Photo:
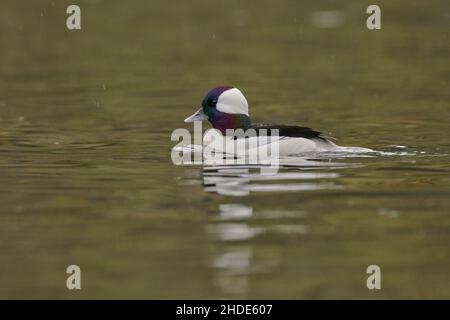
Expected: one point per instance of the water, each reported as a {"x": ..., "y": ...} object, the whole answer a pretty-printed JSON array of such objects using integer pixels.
[{"x": 86, "y": 176}]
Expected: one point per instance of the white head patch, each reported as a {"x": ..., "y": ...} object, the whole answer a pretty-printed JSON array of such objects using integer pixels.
[{"x": 232, "y": 101}]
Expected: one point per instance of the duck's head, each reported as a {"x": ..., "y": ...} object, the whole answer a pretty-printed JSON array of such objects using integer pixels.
[{"x": 225, "y": 108}]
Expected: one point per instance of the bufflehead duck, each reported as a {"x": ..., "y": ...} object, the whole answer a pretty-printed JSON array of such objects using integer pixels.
[{"x": 227, "y": 108}]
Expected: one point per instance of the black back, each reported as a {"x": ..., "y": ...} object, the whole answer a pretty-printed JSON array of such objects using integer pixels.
[{"x": 290, "y": 131}]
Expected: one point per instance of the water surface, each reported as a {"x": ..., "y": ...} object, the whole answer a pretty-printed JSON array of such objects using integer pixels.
[{"x": 86, "y": 176}]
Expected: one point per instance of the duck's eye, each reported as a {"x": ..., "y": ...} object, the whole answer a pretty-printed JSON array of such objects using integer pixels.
[{"x": 211, "y": 102}]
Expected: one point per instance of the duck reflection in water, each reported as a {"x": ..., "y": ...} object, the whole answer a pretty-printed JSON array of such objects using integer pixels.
[{"x": 243, "y": 180}]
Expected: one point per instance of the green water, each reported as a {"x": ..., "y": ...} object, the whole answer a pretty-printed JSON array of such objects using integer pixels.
[{"x": 85, "y": 170}]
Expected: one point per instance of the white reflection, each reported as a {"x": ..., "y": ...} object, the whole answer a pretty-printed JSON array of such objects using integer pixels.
[
  {"x": 234, "y": 212},
  {"x": 232, "y": 231},
  {"x": 233, "y": 267},
  {"x": 235, "y": 261},
  {"x": 241, "y": 181}
]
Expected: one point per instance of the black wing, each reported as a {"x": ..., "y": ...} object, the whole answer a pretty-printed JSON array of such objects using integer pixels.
[{"x": 291, "y": 131}]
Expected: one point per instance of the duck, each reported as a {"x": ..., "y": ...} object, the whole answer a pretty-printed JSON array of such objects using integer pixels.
[{"x": 227, "y": 110}]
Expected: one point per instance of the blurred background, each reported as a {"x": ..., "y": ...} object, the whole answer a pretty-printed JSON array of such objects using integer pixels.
[{"x": 85, "y": 170}]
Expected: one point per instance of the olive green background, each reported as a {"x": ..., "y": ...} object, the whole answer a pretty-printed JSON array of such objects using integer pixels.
[{"x": 85, "y": 170}]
